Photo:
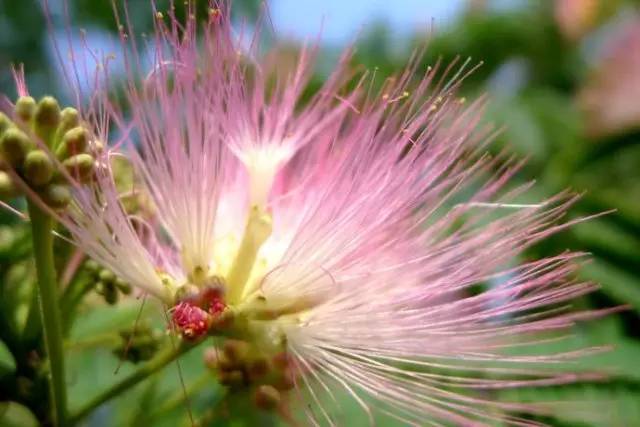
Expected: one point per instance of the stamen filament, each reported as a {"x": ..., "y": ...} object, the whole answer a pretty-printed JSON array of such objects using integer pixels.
[{"x": 257, "y": 231}]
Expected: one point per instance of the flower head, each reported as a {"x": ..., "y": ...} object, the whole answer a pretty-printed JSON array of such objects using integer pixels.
[{"x": 358, "y": 243}]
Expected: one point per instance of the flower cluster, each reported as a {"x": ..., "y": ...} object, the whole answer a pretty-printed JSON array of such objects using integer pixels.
[{"x": 358, "y": 241}]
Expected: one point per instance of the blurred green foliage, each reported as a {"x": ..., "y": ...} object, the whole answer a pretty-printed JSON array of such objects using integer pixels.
[{"x": 533, "y": 74}]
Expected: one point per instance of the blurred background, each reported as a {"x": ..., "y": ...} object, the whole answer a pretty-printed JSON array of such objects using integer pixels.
[{"x": 562, "y": 78}]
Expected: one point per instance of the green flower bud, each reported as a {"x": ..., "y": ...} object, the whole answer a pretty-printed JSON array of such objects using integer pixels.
[
  {"x": 267, "y": 398},
  {"x": 57, "y": 196},
  {"x": 231, "y": 378},
  {"x": 123, "y": 286},
  {"x": 69, "y": 118},
  {"x": 106, "y": 276},
  {"x": 110, "y": 293},
  {"x": 80, "y": 166},
  {"x": 100, "y": 287},
  {"x": 47, "y": 118},
  {"x": 8, "y": 190},
  {"x": 38, "y": 168},
  {"x": 92, "y": 266},
  {"x": 138, "y": 344},
  {"x": 97, "y": 146},
  {"x": 74, "y": 141},
  {"x": 14, "y": 146},
  {"x": 224, "y": 364},
  {"x": 8, "y": 238},
  {"x": 235, "y": 350},
  {"x": 5, "y": 123},
  {"x": 25, "y": 108}
]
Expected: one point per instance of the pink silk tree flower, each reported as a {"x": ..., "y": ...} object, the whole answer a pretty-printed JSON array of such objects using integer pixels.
[{"x": 360, "y": 242}]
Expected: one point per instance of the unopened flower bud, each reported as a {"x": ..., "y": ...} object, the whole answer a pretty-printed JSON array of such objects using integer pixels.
[
  {"x": 74, "y": 141},
  {"x": 267, "y": 398},
  {"x": 57, "y": 196},
  {"x": 47, "y": 118},
  {"x": 14, "y": 146},
  {"x": 99, "y": 287},
  {"x": 226, "y": 364},
  {"x": 92, "y": 266},
  {"x": 8, "y": 189},
  {"x": 231, "y": 378},
  {"x": 25, "y": 108},
  {"x": 138, "y": 344},
  {"x": 5, "y": 123},
  {"x": 211, "y": 358},
  {"x": 80, "y": 166},
  {"x": 106, "y": 276},
  {"x": 123, "y": 286},
  {"x": 258, "y": 368},
  {"x": 69, "y": 119},
  {"x": 285, "y": 382},
  {"x": 281, "y": 361},
  {"x": 110, "y": 293},
  {"x": 235, "y": 350},
  {"x": 222, "y": 321},
  {"x": 38, "y": 168}
]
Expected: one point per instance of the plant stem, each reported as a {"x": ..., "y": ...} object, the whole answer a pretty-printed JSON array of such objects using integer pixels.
[
  {"x": 181, "y": 396},
  {"x": 42, "y": 235},
  {"x": 161, "y": 360}
]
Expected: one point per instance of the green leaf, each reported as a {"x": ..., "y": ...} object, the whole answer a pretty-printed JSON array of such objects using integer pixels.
[
  {"x": 103, "y": 319},
  {"x": 616, "y": 283},
  {"x": 13, "y": 414},
  {"x": 7, "y": 362},
  {"x": 618, "y": 358},
  {"x": 593, "y": 405}
]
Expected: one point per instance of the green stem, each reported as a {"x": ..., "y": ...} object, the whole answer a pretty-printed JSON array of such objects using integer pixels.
[
  {"x": 42, "y": 235},
  {"x": 161, "y": 360},
  {"x": 33, "y": 324},
  {"x": 181, "y": 396}
]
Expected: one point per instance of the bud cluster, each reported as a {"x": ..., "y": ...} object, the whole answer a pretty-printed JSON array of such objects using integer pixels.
[
  {"x": 241, "y": 366},
  {"x": 38, "y": 143},
  {"x": 139, "y": 343},
  {"x": 106, "y": 282}
]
